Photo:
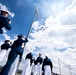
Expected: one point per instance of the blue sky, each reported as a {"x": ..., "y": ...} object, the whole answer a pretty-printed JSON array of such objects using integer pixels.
[{"x": 53, "y": 32}]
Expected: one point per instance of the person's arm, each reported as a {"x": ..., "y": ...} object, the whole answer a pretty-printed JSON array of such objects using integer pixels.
[
  {"x": 20, "y": 56},
  {"x": 31, "y": 58},
  {"x": 41, "y": 60},
  {"x": 5, "y": 46},
  {"x": 9, "y": 46},
  {"x": 43, "y": 65},
  {"x": 1, "y": 31},
  {"x": 1, "y": 24},
  {"x": 51, "y": 65},
  {"x": 6, "y": 23},
  {"x": 24, "y": 41}
]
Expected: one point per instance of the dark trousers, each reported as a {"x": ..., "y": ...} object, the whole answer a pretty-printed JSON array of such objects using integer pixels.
[{"x": 11, "y": 58}]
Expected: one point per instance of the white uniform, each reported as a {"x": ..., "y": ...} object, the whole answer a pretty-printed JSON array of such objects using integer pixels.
[
  {"x": 38, "y": 69},
  {"x": 35, "y": 70},
  {"x": 27, "y": 68},
  {"x": 47, "y": 70},
  {"x": 2, "y": 54},
  {"x": 14, "y": 66}
]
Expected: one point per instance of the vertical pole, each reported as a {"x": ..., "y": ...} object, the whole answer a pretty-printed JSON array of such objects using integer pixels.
[
  {"x": 70, "y": 70},
  {"x": 36, "y": 11},
  {"x": 59, "y": 66}
]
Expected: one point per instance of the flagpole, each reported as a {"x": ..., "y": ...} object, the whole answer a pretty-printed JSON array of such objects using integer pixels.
[
  {"x": 70, "y": 70},
  {"x": 59, "y": 66},
  {"x": 36, "y": 12},
  {"x": 32, "y": 21}
]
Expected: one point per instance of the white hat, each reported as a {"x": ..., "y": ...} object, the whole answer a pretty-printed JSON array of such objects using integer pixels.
[
  {"x": 47, "y": 55},
  {"x": 31, "y": 51},
  {"x": 5, "y": 10}
]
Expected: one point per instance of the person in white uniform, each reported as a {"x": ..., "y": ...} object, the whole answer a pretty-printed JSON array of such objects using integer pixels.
[
  {"x": 17, "y": 62},
  {"x": 4, "y": 47},
  {"x": 47, "y": 66},
  {"x": 27, "y": 64},
  {"x": 38, "y": 65}
]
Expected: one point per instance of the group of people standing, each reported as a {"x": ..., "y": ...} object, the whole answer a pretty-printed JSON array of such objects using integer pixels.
[
  {"x": 38, "y": 66},
  {"x": 41, "y": 66}
]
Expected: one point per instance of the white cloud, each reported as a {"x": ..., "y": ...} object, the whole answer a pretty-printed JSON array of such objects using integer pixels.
[
  {"x": 58, "y": 35},
  {"x": 70, "y": 6},
  {"x": 6, "y": 36}
]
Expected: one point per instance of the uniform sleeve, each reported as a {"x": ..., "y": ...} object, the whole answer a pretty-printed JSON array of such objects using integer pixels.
[
  {"x": 1, "y": 31},
  {"x": 51, "y": 65},
  {"x": 41, "y": 60},
  {"x": 9, "y": 46},
  {"x": 21, "y": 56},
  {"x": 43, "y": 65},
  {"x": 6, "y": 24},
  {"x": 31, "y": 58},
  {"x": 24, "y": 41},
  {"x": 5, "y": 46}
]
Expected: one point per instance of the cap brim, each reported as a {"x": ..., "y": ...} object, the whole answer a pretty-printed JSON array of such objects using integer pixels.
[{"x": 6, "y": 11}]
